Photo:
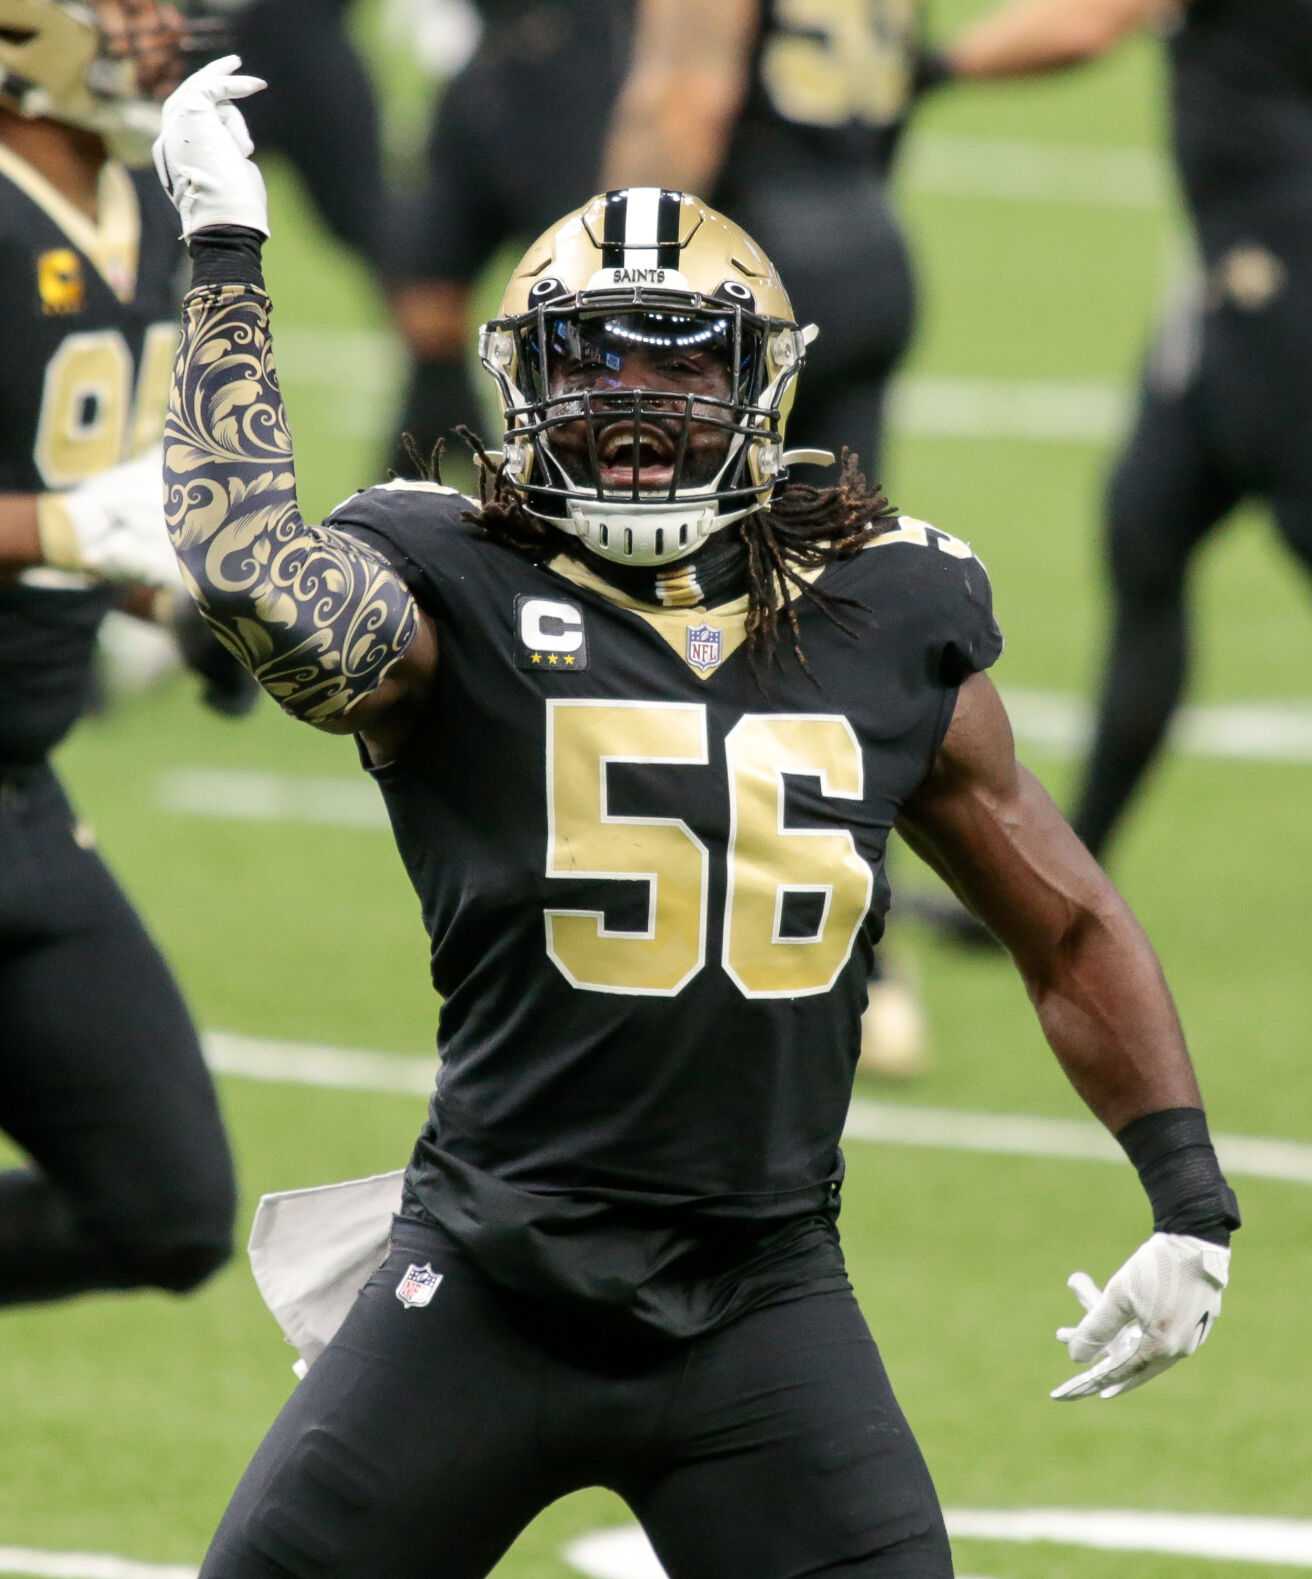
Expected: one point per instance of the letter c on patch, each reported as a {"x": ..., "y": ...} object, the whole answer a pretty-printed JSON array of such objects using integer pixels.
[{"x": 550, "y": 627}]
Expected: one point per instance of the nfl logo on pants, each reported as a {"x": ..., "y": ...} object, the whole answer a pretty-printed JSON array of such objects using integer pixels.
[
  {"x": 703, "y": 646},
  {"x": 418, "y": 1286}
]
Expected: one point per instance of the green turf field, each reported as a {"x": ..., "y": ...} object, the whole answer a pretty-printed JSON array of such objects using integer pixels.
[{"x": 124, "y": 1422}]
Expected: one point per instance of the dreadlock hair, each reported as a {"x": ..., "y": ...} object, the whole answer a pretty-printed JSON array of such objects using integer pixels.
[{"x": 802, "y": 528}]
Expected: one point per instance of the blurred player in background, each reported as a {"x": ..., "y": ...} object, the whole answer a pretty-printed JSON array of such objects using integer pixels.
[
  {"x": 1225, "y": 407},
  {"x": 787, "y": 117},
  {"x": 101, "y": 1077},
  {"x": 320, "y": 111},
  {"x": 514, "y": 144},
  {"x": 649, "y": 844}
]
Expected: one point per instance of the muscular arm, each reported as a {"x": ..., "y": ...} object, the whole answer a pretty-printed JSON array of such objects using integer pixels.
[
  {"x": 990, "y": 830},
  {"x": 1027, "y": 36},
  {"x": 326, "y": 626},
  {"x": 675, "y": 113}
]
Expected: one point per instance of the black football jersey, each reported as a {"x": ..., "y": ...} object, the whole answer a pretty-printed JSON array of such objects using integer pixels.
[
  {"x": 1242, "y": 99},
  {"x": 652, "y": 879},
  {"x": 831, "y": 83},
  {"x": 88, "y": 327}
]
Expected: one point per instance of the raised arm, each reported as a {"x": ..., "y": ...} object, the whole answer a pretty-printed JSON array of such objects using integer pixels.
[
  {"x": 1028, "y": 36},
  {"x": 675, "y": 113},
  {"x": 991, "y": 831},
  {"x": 325, "y": 625}
]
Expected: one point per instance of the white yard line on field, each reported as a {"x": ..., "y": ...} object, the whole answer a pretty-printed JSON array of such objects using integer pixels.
[
  {"x": 307, "y": 1064},
  {"x": 1238, "y": 731},
  {"x": 1088, "y": 175},
  {"x": 251, "y": 795},
  {"x": 1047, "y": 410},
  {"x": 998, "y": 1134},
  {"x": 626, "y": 1554},
  {"x": 619, "y": 1554},
  {"x": 83, "y": 1565}
]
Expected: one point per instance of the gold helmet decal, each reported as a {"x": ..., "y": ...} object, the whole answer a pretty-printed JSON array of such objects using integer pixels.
[{"x": 645, "y": 358}]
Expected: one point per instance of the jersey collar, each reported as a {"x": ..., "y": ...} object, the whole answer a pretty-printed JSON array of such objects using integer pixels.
[
  {"x": 112, "y": 243},
  {"x": 715, "y": 574}
]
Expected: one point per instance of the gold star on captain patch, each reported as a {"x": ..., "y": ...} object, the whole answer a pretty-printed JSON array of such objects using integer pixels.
[
  {"x": 537, "y": 657},
  {"x": 552, "y": 658},
  {"x": 569, "y": 657}
]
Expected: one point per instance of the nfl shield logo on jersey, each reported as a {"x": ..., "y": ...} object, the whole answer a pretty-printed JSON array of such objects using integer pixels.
[
  {"x": 418, "y": 1286},
  {"x": 703, "y": 646}
]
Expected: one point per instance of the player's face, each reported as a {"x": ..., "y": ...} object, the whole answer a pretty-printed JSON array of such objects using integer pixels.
[
  {"x": 642, "y": 372},
  {"x": 149, "y": 34}
]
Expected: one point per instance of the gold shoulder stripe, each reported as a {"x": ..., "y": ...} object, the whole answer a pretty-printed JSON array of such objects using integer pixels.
[{"x": 909, "y": 530}]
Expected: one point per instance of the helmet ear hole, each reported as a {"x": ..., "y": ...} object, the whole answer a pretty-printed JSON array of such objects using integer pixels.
[
  {"x": 737, "y": 293},
  {"x": 546, "y": 290}
]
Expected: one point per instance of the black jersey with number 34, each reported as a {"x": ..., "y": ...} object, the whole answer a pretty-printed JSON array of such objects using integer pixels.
[
  {"x": 652, "y": 881},
  {"x": 88, "y": 329}
]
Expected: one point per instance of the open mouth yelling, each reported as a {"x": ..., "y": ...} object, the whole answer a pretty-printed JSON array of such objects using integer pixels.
[{"x": 651, "y": 458}]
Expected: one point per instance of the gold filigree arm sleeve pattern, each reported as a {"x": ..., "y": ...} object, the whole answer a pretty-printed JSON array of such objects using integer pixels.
[{"x": 317, "y": 618}]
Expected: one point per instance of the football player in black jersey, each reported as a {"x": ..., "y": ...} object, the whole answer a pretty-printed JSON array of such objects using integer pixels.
[
  {"x": 787, "y": 114},
  {"x": 1225, "y": 406},
  {"x": 648, "y": 839},
  {"x": 101, "y": 1078},
  {"x": 514, "y": 144}
]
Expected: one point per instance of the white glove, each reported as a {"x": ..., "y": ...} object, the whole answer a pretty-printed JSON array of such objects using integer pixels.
[
  {"x": 203, "y": 151},
  {"x": 112, "y": 524},
  {"x": 1158, "y": 1308}
]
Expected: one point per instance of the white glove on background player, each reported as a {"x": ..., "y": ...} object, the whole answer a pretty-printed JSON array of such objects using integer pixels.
[
  {"x": 203, "y": 151},
  {"x": 1157, "y": 1309},
  {"x": 112, "y": 525}
]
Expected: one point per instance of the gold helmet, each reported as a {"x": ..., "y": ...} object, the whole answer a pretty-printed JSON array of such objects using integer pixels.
[
  {"x": 644, "y": 356},
  {"x": 104, "y": 65}
]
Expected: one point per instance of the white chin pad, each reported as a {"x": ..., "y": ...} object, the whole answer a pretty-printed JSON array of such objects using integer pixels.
[{"x": 641, "y": 534}]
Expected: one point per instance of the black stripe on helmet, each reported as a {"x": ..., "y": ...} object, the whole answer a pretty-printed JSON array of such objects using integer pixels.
[
  {"x": 612, "y": 236},
  {"x": 667, "y": 231}
]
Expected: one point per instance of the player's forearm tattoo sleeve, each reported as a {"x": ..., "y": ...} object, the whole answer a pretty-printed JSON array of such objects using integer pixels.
[{"x": 317, "y": 618}]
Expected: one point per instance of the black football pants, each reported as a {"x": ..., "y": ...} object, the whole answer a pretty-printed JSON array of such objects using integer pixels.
[
  {"x": 319, "y": 110},
  {"x": 424, "y": 1440},
  {"x": 101, "y": 1078},
  {"x": 844, "y": 261},
  {"x": 1236, "y": 425}
]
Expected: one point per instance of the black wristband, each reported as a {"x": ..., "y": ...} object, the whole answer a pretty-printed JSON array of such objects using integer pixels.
[
  {"x": 226, "y": 255},
  {"x": 1173, "y": 1155}
]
